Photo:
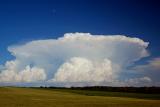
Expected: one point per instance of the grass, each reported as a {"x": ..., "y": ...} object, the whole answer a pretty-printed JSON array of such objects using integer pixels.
[
  {"x": 112, "y": 94},
  {"x": 36, "y": 97}
]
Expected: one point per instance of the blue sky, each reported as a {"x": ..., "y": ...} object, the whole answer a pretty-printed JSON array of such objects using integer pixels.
[
  {"x": 26, "y": 20},
  {"x": 22, "y": 21}
]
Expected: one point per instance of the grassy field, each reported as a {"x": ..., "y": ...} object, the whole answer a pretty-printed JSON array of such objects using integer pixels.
[{"x": 36, "y": 97}]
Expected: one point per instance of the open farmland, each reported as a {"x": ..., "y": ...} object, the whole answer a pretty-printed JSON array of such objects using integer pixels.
[{"x": 36, "y": 97}]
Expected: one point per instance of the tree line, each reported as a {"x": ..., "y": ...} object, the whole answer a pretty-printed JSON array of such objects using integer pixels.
[{"x": 150, "y": 90}]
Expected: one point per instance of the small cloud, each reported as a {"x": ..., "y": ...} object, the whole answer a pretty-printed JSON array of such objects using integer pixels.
[
  {"x": 152, "y": 65},
  {"x": 137, "y": 81},
  {"x": 151, "y": 69},
  {"x": 28, "y": 74}
]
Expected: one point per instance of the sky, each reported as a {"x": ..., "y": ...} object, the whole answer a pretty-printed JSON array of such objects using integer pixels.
[{"x": 28, "y": 26}]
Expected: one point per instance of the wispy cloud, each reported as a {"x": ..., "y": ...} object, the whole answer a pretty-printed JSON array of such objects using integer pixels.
[{"x": 151, "y": 69}]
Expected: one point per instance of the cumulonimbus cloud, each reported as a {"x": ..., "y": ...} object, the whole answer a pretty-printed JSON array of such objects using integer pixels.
[{"x": 76, "y": 57}]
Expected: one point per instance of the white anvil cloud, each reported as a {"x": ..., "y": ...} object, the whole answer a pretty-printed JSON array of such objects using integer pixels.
[{"x": 76, "y": 57}]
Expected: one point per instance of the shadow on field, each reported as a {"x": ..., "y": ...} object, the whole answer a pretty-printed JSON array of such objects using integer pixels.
[{"x": 106, "y": 93}]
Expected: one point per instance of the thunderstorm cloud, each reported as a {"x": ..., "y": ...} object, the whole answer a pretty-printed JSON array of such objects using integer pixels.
[{"x": 76, "y": 58}]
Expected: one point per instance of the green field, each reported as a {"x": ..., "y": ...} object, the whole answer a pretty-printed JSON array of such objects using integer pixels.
[{"x": 36, "y": 97}]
